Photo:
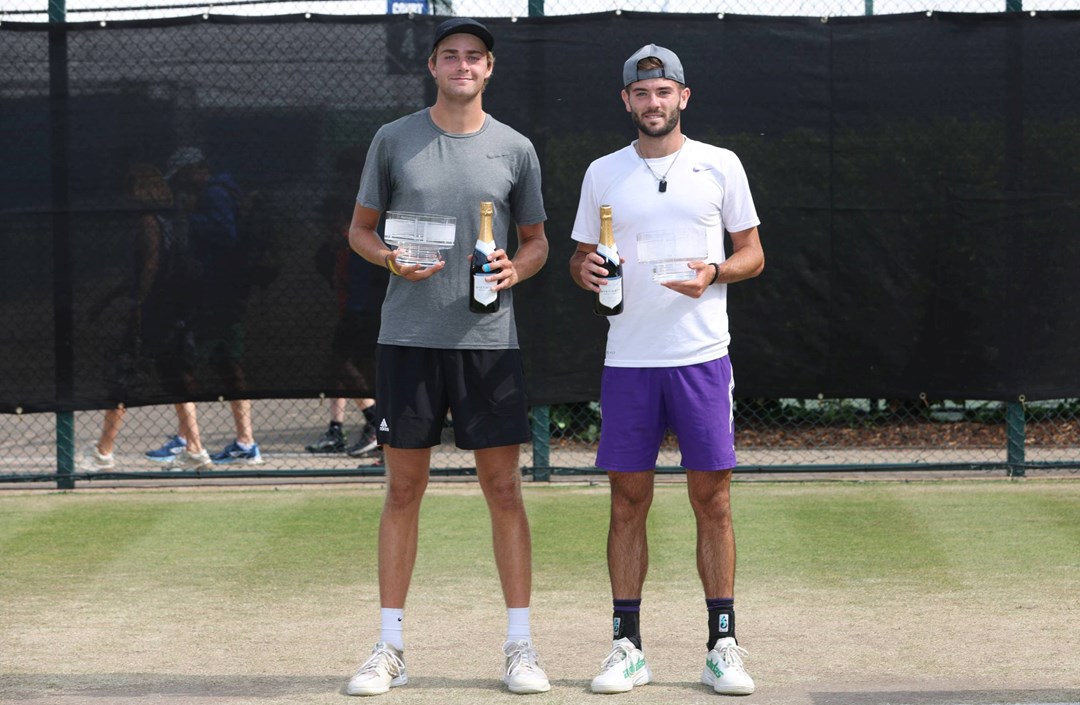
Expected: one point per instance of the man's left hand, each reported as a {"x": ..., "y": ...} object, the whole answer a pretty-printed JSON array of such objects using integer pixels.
[
  {"x": 502, "y": 271},
  {"x": 697, "y": 286}
]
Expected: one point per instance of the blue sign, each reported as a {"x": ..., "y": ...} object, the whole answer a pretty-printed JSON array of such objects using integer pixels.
[{"x": 403, "y": 7}]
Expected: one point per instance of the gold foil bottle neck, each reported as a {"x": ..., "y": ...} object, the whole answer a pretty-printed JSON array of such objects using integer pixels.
[{"x": 487, "y": 212}]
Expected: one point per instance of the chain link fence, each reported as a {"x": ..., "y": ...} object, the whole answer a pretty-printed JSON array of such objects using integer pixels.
[
  {"x": 98, "y": 11},
  {"x": 773, "y": 435}
]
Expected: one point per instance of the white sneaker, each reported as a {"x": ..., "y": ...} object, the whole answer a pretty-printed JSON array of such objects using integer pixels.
[
  {"x": 623, "y": 668},
  {"x": 384, "y": 669},
  {"x": 94, "y": 460},
  {"x": 724, "y": 669},
  {"x": 523, "y": 672},
  {"x": 186, "y": 460}
]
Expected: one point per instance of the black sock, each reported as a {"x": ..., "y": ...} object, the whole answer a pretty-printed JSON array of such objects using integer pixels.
[
  {"x": 369, "y": 415},
  {"x": 625, "y": 621},
  {"x": 335, "y": 427},
  {"x": 721, "y": 619}
]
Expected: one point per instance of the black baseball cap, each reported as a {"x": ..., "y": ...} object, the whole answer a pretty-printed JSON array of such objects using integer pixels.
[{"x": 467, "y": 25}]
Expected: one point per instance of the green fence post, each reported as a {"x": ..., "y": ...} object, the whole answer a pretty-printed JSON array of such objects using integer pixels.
[
  {"x": 63, "y": 303},
  {"x": 541, "y": 428},
  {"x": 541, "y": 415},
  {"x": 1015, "y": 431},
  {"x": 1015, "y": 435},
  {"x": 65, "y": 450},
  {"x": 1014, "y": 411}
]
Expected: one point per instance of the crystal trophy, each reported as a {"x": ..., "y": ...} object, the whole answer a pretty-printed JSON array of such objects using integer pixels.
[
  {"x": 419, "y": 237},
  {"x": 670, "y": 252}
]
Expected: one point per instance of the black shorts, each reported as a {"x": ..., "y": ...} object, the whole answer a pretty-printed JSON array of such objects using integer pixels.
[{"x": 483, "y": 389}]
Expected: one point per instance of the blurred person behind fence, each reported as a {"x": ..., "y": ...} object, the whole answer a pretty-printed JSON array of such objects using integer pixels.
[
  {"x": 157, "y": 324},
  {"x": 209, "y": 209},
  {"x": 358, "y": 286}
]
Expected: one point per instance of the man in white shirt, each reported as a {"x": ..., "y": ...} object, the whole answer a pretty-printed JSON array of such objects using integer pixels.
[{"x": 666, "y": 366}]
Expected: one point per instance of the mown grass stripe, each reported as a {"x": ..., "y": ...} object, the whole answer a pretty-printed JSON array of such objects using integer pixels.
[
  {"x": 844, "y": 536},
  {"x": 927, "y": 538},
  {"x": 72, "y": 543}
]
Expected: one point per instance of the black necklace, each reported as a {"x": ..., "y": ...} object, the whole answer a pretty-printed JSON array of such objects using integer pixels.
[{"x": 662, "y": 180}]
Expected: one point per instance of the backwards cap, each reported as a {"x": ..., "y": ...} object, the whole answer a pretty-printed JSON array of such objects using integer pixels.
[{"x": 672, "y": 67}]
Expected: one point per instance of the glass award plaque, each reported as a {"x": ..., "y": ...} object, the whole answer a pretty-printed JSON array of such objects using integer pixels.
[
  {"x": 419, "y": 237},
  {"x": 670, "y": 252}
]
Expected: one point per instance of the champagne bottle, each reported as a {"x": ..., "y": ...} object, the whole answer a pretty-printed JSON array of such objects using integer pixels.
[
  {"x": 482, "y": 298},
  {"x": 609, "y": 300}
]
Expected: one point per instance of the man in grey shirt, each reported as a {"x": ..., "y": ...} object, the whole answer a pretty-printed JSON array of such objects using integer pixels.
[{"x": 434, "y": 354}]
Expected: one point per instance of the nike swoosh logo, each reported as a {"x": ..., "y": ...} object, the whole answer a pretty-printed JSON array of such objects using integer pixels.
[{"x": 702, "y": 167}]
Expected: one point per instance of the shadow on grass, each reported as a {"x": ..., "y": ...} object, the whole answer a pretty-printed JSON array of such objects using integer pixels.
[
  {"x": 950, "y": 697},
  {"x": 181, "y": 688},
  {"x": 112, "y": 687},
  {"x": 144, "y": 685}
]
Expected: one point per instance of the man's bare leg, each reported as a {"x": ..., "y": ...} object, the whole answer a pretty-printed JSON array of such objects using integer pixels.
[
  {"x": 628, "y": 544},
  {"x": 110, "y": 428},
  {"x": 187, "y": 426},
  {"x": 407, "y": 473},
  {"x": 710, "y": 498},
  {"x": 499, "y": 472},
  {"x": 241, "y": 411}
]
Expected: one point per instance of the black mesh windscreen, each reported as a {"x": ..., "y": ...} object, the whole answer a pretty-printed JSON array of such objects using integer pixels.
[{"x": 917, "y": 178}]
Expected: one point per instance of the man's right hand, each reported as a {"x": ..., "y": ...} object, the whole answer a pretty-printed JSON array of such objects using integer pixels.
[{"x": 412, "y": 272}]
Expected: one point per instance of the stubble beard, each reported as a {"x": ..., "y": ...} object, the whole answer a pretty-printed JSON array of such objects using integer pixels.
[{"x": 664, "y": 129}]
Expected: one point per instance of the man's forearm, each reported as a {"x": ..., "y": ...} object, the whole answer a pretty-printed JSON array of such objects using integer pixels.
[{"x": 530, "y": 257}]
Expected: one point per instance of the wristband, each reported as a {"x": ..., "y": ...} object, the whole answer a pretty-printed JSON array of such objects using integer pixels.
[
  {"x": 390, "y": 265},
  {"x": 716, "y": 269}
]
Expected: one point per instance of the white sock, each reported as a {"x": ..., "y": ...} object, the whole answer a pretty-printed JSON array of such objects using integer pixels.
[
  {"x": 517, "y": 624},
  {"x": 392, "y": 632}
]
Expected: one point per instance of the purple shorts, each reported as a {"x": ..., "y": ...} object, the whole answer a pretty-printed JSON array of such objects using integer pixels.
[{"x": 638, "y": 405}]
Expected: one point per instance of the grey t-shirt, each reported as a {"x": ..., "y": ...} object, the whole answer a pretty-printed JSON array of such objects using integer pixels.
[{"x": 415, "y": 167}]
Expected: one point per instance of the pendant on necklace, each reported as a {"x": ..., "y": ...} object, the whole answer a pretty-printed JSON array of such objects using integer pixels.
[{"x": 663, "y": 185}]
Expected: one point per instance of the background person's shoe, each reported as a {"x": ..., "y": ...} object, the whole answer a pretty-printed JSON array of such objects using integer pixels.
[
  {"x": 384, "y": 669},
  {"x": 523, "y": 672},
  {"x": 234, "y": 454},
  {"x": 95, "y": 461},
  {"x": 332, "y": 441},
  {"x": 167, "y": 452},
  {"x": 724, "y": 669},
  {"x": 623, "y": 668},
  {"x": 367, "y": 443},
  {"x": 186, "y": 460}
]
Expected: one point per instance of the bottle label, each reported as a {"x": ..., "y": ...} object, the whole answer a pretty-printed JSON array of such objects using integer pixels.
[
  {"x": 611, "y": 293},
  {"x": 482, "y": 291}
]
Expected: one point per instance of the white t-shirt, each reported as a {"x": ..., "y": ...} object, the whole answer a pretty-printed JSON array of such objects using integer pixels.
[{"x": 707, "y": 190}]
